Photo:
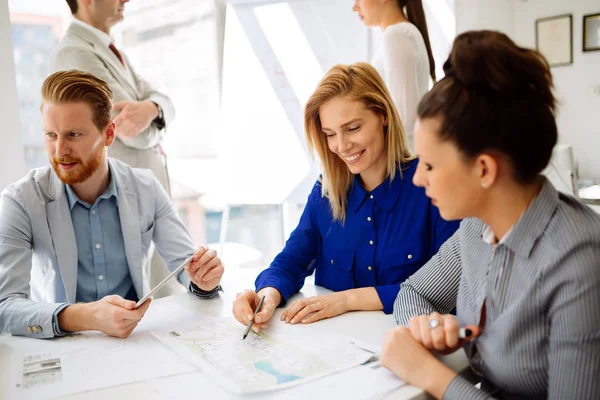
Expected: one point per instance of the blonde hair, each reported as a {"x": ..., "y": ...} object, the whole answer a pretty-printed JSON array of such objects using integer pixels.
[
  {"x": 357, "y": 82},
  {"x": 76, "y": 86}
]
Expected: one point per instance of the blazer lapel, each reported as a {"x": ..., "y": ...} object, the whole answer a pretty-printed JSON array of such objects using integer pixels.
[
  {"x": 63, "y": 236},
  {"x": 130, "y": 227},
  {"x": 115, "y": 66}
]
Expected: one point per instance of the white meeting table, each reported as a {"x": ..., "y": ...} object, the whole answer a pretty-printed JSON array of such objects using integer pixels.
[{"x": 369, "y": 327}]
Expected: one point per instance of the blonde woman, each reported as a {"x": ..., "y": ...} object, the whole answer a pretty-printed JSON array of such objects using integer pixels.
[{"x": 365, "y": 227}]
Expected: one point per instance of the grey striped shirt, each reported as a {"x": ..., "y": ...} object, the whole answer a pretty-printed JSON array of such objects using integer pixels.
[{"x": 541, "y": 289}]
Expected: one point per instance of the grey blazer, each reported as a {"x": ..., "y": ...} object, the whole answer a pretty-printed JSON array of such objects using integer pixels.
[
  {"x": 38, "y": 251},
  {"x": 80, "y": 49}
]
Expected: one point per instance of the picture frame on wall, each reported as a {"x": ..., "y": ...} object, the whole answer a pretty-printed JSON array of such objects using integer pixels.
[
  {"x": 591, "y": 32},
  {"x": 554, "y": 39}
]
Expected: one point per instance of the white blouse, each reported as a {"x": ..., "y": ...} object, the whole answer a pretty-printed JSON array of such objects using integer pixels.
[{"x": 403, "y": 64}]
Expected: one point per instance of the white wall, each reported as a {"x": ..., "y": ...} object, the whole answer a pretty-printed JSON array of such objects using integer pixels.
[
  {"x": 577, "y": 85},
  {"x": 579, "y": 112},
  {"x": 495, "y": 15},
  {"x": 12, "y": 166}
]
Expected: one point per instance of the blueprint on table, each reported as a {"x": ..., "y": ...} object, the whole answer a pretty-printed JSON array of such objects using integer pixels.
[{"x": 262, "y": 362}]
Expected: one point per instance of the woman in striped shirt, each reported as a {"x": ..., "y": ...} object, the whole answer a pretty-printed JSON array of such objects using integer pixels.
[{"x": 523, "y": 270}]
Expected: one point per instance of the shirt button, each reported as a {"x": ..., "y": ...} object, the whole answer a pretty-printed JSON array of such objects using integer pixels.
[
  {"x": 410, "y": 256},
  {"x": 371, "y": 242},
  {"x": 100, "y": 277},
  {"x": 93, "y": 212},
  {"x": 98, "y": 246},
  {"x": 369, "y": 268},
  {"x": 369, "y": 219},
  {"x": 371, "y": 196},
  {"x": 331, "y": 262}
]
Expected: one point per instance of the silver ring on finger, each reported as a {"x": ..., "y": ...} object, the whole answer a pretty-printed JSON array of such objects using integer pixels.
[{"x": 434, "y": 323}]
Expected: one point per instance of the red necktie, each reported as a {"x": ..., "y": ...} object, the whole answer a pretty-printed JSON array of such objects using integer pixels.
[{"x": 114, "y": 50}]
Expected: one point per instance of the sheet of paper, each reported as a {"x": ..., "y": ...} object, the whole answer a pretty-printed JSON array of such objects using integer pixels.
[
  {"x": 91, "y": 360},
  {"x": 262, "y": 362},
  {"x": 45, "y": 375},
  {"x": 357, "y": 383},
  {"x": 159, "y": 316}
]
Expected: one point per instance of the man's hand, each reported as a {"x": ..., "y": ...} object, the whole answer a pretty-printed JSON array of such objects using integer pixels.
[
  {"x": 206, "y": 269},
  {"x": 313, "y": 309},
  {"x": 112, "y": 315},
  {"x": 134, "y": 117}
]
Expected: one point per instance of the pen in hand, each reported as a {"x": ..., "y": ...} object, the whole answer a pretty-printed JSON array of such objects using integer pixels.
[
  {"x": 252, "y": 320},
  {"x": 464, "y": 333}
]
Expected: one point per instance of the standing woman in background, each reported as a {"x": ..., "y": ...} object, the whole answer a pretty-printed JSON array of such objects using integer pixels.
[{"x": 404, "y": 60}]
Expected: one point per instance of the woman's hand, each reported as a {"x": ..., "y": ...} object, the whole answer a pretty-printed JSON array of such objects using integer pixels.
[
  {"x": 413, "y": 363},
  {"x": 441, "y": 336},
  {"x": 315, "y": 308},
  {"x": 246, "y": 302}
]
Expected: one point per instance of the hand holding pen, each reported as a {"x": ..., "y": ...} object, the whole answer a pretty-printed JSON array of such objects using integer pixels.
[
  {"x": 262, "y": 299},
  {"x": 441, "y": 333},
  {"x": 246, "y": 303}
]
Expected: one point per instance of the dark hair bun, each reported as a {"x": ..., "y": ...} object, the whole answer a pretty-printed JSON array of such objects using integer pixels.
[
  {"x": 496, "y": 96},
  {"x": 489, "y": 60}
]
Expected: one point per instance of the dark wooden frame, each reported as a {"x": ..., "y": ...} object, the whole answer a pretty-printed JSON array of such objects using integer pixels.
[
  {"x": 585, "y": 18},
  {"x": 537, "y": 46}
]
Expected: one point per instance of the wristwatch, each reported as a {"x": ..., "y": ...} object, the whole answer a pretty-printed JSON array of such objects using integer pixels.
[
  {"x": 160, "y": 119},
  {"x": 203, "y": 293}
]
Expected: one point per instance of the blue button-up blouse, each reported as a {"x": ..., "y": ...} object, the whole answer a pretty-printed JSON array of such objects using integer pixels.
[{"x": 388, "y": 234}]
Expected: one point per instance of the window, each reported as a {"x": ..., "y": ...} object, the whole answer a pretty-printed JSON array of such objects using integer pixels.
[
  {"x": 36, "y": 28},
  {"x": 239, "y": 76}
]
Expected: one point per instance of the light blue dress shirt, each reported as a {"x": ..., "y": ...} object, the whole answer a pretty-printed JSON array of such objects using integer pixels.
[{"x": 102, "y": 267}]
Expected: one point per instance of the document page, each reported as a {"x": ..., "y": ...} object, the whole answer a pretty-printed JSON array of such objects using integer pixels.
[
  {"x": 262, "y": 362},
  {"x": 91, "y": 360}
]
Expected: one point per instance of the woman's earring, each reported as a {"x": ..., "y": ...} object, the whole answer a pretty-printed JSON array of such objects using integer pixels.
[{"x": 483, "y": 184}]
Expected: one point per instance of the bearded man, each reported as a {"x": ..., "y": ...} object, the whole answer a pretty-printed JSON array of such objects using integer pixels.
[{"x": 75, "y": 235}]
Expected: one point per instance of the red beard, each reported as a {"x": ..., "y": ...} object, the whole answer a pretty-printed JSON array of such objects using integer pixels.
[{"x": 81, "y": 171}]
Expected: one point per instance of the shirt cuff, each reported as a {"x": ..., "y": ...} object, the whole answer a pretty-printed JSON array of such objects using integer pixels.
[
  {"x": 387, "y": 296},
  {"x": 203, "y": 294},
  {"x": 461, "y": 388},
  {"x": 55, "y": 327},
  {"x": 285, "y": 289}
]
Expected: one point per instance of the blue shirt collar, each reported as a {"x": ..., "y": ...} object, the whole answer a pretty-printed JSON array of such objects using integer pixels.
[
  {"x": 111, "y": 191},
  {"x": 386, "y": 195}
]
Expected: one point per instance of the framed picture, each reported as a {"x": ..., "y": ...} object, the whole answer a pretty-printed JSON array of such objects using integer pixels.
[
  {"x": 591, "y": 32},
  {"x": 554, "y": 39}
]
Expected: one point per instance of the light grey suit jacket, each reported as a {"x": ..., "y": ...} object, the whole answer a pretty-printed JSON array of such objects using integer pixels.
[
  {"x": 38, "y": 251},
  {"x": 81, "y": 49}
]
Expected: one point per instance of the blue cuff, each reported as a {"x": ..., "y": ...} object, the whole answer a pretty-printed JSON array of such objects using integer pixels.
[
  {"x": 387, "y": 295},
  {"x": 286, "y": 290},
  {"x": 55, "y": 327}
]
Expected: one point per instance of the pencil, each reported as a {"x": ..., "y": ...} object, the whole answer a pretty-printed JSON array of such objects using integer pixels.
[{"x": 252, "y": 320}]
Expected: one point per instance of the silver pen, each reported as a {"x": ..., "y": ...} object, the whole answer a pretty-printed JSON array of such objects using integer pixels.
[{"x": 252, "y": 320}]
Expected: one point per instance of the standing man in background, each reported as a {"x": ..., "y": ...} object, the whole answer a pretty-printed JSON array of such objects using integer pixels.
[{"x": 142, "y": 113}]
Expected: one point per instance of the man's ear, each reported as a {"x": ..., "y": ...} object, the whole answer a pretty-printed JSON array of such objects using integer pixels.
[{"x": 111, "y": 133}]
